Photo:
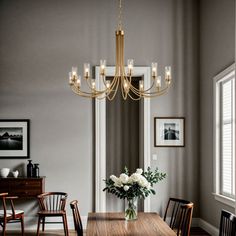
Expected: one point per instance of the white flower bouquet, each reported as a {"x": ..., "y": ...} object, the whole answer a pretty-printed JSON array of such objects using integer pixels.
[{"x": 136, "y": 185}]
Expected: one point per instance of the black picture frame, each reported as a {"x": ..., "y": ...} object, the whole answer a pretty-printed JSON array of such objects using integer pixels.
[
  {"x": 175, "y": 137},
  {"x": 14, "y": 138}
]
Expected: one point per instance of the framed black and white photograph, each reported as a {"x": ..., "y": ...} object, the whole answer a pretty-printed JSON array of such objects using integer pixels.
[
  {"x": 14, "y": 139},
  {"x": 169, "y": 131}
]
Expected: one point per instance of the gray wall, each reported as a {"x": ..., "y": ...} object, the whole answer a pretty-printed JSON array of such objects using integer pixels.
[
  {"x": 217, "y": 48},
  {"x": 180, "y": 164},
  {"x": 41, "y": 40}
]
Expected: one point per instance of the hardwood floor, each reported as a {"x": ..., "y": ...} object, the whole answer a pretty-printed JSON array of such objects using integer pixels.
[
  {"x": 195, "y": 231},
  {"x": 46, "y": 233}
]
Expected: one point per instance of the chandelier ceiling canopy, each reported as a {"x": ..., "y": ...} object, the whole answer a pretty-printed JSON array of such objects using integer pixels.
[{"x": 122, "y": 79}]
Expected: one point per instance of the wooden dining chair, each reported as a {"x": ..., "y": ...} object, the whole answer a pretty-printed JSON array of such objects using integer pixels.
[
  {"x": 12, "y": 215},
  {"x": 52, "y": 204},
  {"x": 77, "y": 219},
  {"x": 227, "y": 224},
  {"x": 178, "y": 215}
]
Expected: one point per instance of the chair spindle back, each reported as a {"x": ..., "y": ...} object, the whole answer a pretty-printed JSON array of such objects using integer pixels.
[
  {"x": 53, "y": 201},
  {"x": 227, "y": 224},
  {"x": 178, "y": 215}
]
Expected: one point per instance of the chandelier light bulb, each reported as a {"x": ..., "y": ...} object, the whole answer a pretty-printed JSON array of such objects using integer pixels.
[
  {"x": 168, "y": 74},
  {"x": 102, "y": 67},
  {"x": 70, "y": 78},
  {"x": 108, "y": 84},
  {"x": 79, "y": 81},
  {"x": 154, "y": 69},
  {"x": 93, "y": 84},
  {"x": 141, "y": 85},
  {"x": 158, "y": 82},
  {"x": 86, "y": 70},
  {"x": 74, "y": 71},
  {"x": 130, "y": 63}
]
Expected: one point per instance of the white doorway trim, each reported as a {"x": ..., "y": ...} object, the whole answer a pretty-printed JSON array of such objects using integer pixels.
[{"x": 100, "y": 139}]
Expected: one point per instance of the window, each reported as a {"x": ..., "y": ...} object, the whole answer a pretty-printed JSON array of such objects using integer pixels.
[{"x": 224, "y": 134}]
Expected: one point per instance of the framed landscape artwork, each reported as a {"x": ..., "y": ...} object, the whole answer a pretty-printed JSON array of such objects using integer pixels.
[
  {"x": 169, "y": 131},
  {"x": 14, "y": 139}
]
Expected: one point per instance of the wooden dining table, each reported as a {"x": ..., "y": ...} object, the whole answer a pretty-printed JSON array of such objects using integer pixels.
[{"x": 114, "y": 224}]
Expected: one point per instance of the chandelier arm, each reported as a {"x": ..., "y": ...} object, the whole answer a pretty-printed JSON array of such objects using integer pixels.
[
  {"x": 95, "y": 90},
  {"x": 146, "y": 90},
  {"x": 106, "y": 95},
  {"x": 83, "y": 94},
  {"x": 112, "y": 82},
  {"x": 124, "y": 93},
  {"x": 155, "y": 94},
  {"x": 116, "y": 89},
  {"x": 161, "y": 91},
  {"x": 92, "y": 94},
  {"x": 135, "y": 99}
]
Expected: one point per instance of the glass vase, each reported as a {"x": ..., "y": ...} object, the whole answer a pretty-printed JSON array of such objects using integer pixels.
[{"x": 131, "y": 209}]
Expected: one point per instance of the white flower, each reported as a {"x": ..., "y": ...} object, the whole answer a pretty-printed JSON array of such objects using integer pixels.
[
  {"x": 139, "y": 171},
  {"x": 126, "y": 187},
  {"x": 135, "y": 177},
  {"x": 143, "y": 182},
  {"x": 113, "y": 178},
  {"x": 117, "y": 182},
  {"x": 124, "y": 178}
]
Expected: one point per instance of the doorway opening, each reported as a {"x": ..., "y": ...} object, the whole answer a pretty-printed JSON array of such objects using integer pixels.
[{"x": 122, "y": 138}]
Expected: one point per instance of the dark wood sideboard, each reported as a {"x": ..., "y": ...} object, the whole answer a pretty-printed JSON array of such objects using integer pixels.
[{"x": 22, "y": 186}]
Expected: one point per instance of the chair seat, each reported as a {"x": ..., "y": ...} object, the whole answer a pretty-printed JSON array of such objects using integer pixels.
[
  {"x": 55, "y": 213},
  {"x": 9, "y": 213}
]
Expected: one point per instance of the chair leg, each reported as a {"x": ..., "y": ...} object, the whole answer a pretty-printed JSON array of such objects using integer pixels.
[
  {"x": 65, "y": 225},
  {"x": 43, "y": 223},
  {"x": 4, "y": 228},
  {"x": 22, "y": 226},
  {"x": 38, "y": 228}
]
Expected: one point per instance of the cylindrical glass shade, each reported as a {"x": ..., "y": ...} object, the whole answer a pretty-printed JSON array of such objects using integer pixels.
[
  {"x": 126, "y": 86},
  {"x": 130, "y": 63},
  {"x": 102, "y": 67},
  {"x": 70, "y": 78},
  {"x": 154, "y": 69},
  {"x": 86, "y": 70},
  {"x": 74, "y": 70},
  {"x": 93, "y": 84},
  {"x": 141, "y": 85},
  {"x": 79, "y": 81},
  {"x": 158, "y": 82},
  {"x": 108, "y": 84},
  {"x": 168, "y": 73}
]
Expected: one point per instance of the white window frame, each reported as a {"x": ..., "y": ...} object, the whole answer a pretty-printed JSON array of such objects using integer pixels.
[{"x": 225, "y": 75}]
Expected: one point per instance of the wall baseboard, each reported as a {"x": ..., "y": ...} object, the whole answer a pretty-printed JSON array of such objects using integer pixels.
[
  {"x": 31, "y": 224},
  {"x": 212, "y": 230}
]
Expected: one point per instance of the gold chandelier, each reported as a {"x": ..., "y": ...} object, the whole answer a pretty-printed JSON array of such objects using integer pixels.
[{"x": 123, "y": 76}]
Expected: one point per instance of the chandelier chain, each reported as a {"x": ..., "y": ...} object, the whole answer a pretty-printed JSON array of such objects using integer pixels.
[{"x": 120, "y": 16}]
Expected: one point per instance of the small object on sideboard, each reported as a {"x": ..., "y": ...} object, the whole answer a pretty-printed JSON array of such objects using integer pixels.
[
  {"x": 30, "y": 169},
  {"x": 4, "y": 172},
  {"x": 36, "y": 170},
  {"x": 15, "y": 173}
]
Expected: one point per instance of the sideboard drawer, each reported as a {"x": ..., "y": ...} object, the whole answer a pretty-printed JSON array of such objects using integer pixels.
[{"x": 23, "y": 187}]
